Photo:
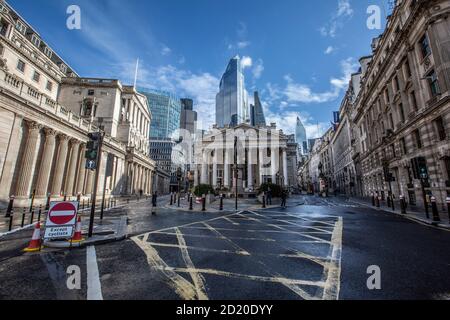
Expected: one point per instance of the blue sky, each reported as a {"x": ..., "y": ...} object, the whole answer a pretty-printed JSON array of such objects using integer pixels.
[{"x": 297, "y": 53}]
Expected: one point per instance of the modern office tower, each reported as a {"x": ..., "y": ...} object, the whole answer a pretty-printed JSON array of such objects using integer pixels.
[
  {"x": 257, "y": 117},
  {"x": 166, "y": 114},
  {"x": 188, "y": 119},
  {"x": 232, "y": 106},
  {"x": 300, "y": 136}
]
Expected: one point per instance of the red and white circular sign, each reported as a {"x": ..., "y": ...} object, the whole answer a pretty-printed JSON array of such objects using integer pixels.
[{"x": 62, "y": 213}]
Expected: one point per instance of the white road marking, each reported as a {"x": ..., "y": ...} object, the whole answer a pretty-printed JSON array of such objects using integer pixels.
[
  {"x": 94, "y": 288},
  {"x": 333, "y": 271}
]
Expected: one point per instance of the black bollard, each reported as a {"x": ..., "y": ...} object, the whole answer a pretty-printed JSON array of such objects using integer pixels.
[
  {"x": 10, "y": 207},
  {"x": 373, "y": 199},
  {"x": 32, "y": 217},
  {"x": 47, "y": 205},
  {"x": 434, "y": 209},
  {"x": 65, "y": 197},
  {"x": 203, "y": 203},
  {"x": 403, "y": 204},
  {"x": 171, "y": 198},
  {"x": 23, "y": 218},
  {"x": 221, "y": 203},
  {"x": 378, "y": 200},
  {"x": 11, "y": 218},
  {"x": 39, "y": 213},
  {"x": 191, "y": 204},
  {"x": 264, "y": 201},
  {"x": 392, "y": 202},
  {"x": 448, "y": 208},
  {"x": 82, "y": 206}
]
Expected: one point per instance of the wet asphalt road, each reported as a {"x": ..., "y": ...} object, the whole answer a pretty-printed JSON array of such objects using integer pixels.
[{"x": 320, "y": 250}]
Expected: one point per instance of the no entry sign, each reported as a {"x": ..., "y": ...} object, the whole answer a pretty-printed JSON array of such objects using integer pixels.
[{"x": 61, "y": 219}]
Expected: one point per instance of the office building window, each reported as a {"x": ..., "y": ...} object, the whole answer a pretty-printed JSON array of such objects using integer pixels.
[
  {"x": 403, "y": 146},
  {"x": 425, "y": 46},
  {"x": 440, "y": 128},
  {"x": 433, "y": 83},
  {"x": 401, "y": 112},
  {"x": 418, "y": 139},
  {"x": 21, "y": 66},
  {"x": 35, "y": 40},
  {"x": 414, "y": 104},
  {"x": 49, "y": 86},
  {"x": 36, "y": 76}
]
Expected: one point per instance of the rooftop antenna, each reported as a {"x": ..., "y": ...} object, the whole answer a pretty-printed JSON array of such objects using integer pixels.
[{"x": 136, "y": 73}]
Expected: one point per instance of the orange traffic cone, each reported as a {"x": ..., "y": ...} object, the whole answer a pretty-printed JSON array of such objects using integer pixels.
[
  {"x": 77, "y": 237},
  {"x": 35, "y": 243}
]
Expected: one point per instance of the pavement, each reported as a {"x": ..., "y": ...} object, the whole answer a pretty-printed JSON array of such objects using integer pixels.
[{"x": 316, "y": 249}]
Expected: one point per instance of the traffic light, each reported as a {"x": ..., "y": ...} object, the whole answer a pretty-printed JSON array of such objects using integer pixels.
[
  {"x": 92, "y": 150},
  {"x": 420, "y": 169}
]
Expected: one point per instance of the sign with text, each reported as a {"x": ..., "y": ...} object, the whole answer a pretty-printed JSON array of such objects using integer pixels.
[{"x": 61, "y": 220}]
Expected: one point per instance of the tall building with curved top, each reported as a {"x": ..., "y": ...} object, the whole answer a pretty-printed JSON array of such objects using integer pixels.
[
  {"x": 232, "y": 106},
  {"x": 300, "y": 136}
]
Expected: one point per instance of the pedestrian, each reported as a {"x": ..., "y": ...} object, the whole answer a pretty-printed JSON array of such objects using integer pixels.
[
  {"x": 154, "y": 202},
  {"x": 141, "y": 192},
  {"x": 269, "y": 196},
  {"x": 283, "y": 199}
]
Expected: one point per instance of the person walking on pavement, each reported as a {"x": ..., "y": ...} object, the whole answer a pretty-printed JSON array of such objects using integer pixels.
[
  {"x": 283, "y": 199},
  {"x": 154, "y": 202}
]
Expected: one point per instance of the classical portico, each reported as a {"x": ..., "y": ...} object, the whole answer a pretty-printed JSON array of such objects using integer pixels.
[{"x": 261, "y": 157}]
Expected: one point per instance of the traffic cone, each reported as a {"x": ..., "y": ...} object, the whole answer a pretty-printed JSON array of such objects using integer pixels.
[
  {"x": 35, "y": 243},
  {"x": 77, "y": 237}
]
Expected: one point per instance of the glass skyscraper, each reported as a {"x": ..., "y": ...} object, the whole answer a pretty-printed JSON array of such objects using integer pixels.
[
  {"x": 257, "y": 117},
  {"x": 300, "y": 136},
  {"x": 232, "y": 100},
  {"x": 166, "y": 112}
]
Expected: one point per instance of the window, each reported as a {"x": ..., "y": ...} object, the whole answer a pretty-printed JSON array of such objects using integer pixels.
[
  {"x": 91, "y": 92},
  {"x": 21, "y": 66},
  {"x": 63, "y": 67},
  {"x": 391, "y": 121},
  {"x": 414, "y": 101},
  {"x": 418, "y": 139},
  {"x": 401, "y": 112},
  {"x": 433, "y": 83},
  {"x": 403, "y": 146},
  {"x": 36, "y": 41},
  {"x": 393, "y": 153},
  {"x": 49, "y": 86},
  {"x": 20, "y": 27},
  {"x": 48, "y": 52},
  {"x": 36, "y": 76},
  {"x": 386, "y": 96},
  {"x": 408, "y": 68},
  {"x": 3, "y": 27},
  {"x": 396, "y": 83},
  {"x": 425, "y": 46},
  {"x": 442, "y": 135}
]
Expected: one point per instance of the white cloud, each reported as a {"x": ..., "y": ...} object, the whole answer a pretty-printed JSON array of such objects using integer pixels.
[
  {"x": 165, "y": 51},
  {"x": 287, "y": 121},
  {"x": 243, "y": 44},
  {"x": 343, "y": 13},
  {"x": 302, "y": 93},
  {"x": 330, "y": 50},
  {"x": 258, "y": 69},
  {"x": 246, "y": 62}
]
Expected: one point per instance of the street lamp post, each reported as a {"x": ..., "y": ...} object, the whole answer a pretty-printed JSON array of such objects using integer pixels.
[{"x": 236, "y": 174}]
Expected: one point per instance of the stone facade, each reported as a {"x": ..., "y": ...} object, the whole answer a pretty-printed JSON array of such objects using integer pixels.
[
  {"x": 403, "y": 109},
  {"x": 44, "y": 130}
]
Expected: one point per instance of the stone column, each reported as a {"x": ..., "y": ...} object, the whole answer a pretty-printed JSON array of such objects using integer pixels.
[
  {"x": 71, "y": 171},
  {"x": 250, "y": 168},
  {"x": 226, "y": 169},
  {"x": 285, "y": 168},
  {"x": 215, "y": 169},
  {"x": 274, "y": 165},
  {"x": 89, "y": 182},
  {"x": 28, "y": 159},
  {"x": 81, "y": 170},
  {"x": 204, "y": 177},
  {"x": 195, "y": 175},
  {"x": 46, "y": 163},
  {"x": 261, "y": 166},
  {"x": 60, "y": 165}
]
